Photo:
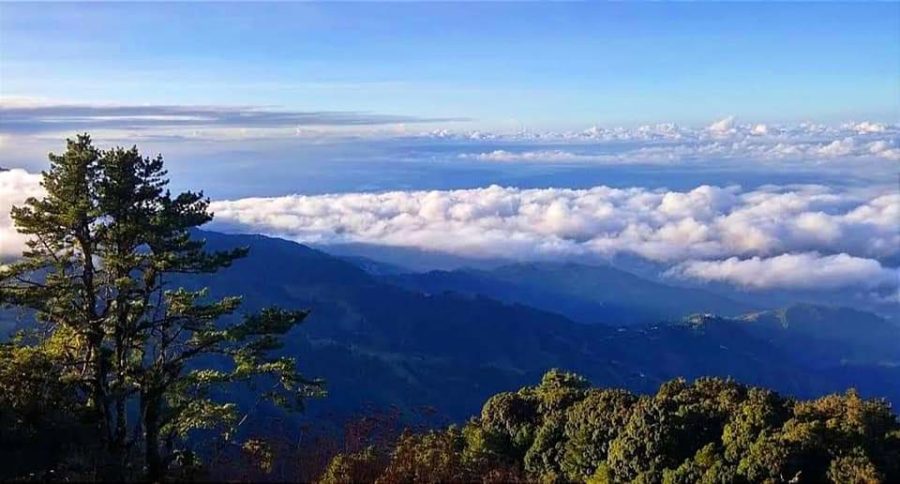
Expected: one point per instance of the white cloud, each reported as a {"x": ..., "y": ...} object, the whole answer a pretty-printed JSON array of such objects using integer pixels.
[
  {"x": 884, "y": 149},
  {"x": 760, "y": 130},
  {"x": 846, "y": 150},
  {"x": 15, "y": 186},
  {"x": 714, "y": 225},
  {"x": 807, "y": 270},
  {"x": 657, "y": 155},
  {"x": 842, "y": 147},
  {"x": 531, "y": 156},
  {"x": 869, "y": 127},
  {"x": 722, "y": 126},
  {"x": 723, "y": 141},
  {"x": 728, "y": 128}
]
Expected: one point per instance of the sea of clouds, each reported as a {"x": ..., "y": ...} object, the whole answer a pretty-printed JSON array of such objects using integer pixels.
[
  {"x": 31, "y": 128},
  {"x": 808, "y": 236},
  {"x": 801, "y": 237},
  {"x": 796, "y": 237}
]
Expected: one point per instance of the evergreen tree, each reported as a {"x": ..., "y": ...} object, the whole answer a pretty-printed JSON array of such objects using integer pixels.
[{"x": 108, "y": 246}]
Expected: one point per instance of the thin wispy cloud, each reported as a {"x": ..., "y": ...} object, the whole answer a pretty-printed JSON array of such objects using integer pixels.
[{"x": 63, "y": 118}]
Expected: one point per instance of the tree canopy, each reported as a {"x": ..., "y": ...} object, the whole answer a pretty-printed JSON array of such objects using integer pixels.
[{"x": 711, "y": 430}]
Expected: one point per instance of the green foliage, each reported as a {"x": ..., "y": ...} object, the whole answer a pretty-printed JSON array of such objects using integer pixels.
[
  {"x": 854, "y": 467},
  {"x": 706, "y": 467},
  {"x": 709, "y": 431},
  {"x": 590, "y": 426},
  {"x": 260, "y": 453},
  {"x": 364, "y": 466},
  {"x": 513, "y": 421},
  {"x": 429, "y": 457},
  {"x": 761, "y": 412},
  {"x": 544, "y": 456},
  {"x": 107, "y": 247},
  {"x": 42, "y": 433},
  {"x": 557, "y": 393},
  {"x": 510, "y": 422}
]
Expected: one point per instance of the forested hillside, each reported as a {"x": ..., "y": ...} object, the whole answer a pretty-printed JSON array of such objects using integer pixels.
[
  {"x": 377, "y": 343},
  {"x": 711, "y": 430}
]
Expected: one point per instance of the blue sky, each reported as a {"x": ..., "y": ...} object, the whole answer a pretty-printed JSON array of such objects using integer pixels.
[
  {"x": 543, "y": 66},
  {"x": 342, "y": 97}
]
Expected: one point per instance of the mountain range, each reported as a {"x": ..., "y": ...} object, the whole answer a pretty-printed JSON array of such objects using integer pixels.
[
  {"x": 583, "y": 293},
  {"x": 447, "y": 340}
]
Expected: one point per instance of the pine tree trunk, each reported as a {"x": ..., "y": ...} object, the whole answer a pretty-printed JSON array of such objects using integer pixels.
[
  {"x": 98, "y": 389},
  {"x": 121, "y": 414},
  {"x": 150, "y": 405},
  {"x": 118, "y": 446}
]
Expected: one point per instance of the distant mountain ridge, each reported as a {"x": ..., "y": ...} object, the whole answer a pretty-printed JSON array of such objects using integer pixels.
[
  {"x": 583, "y": 293},
  {"x": 376, "y": 342},
  {"x": 826, "y": 334}
]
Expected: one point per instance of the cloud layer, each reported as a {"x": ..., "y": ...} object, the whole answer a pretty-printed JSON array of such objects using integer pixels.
[
  {"x": 723, "y": 140},
  {"x": 726, "y": 141},
  {"x": 707, "y": 222},
  {"x": 803, "y": 237},
  {"x": 800, "y": 237}
]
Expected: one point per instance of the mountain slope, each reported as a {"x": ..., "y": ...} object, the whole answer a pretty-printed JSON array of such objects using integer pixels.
[
  {"x": 829, "y": 334},
  {"x": 584, "y": 293},
  {"x": 376, "y": 343},
  {"x": 379, "y": 344}
]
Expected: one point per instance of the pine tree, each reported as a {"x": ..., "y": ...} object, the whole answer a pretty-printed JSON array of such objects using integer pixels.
[{"x": 108, "y": 247}]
